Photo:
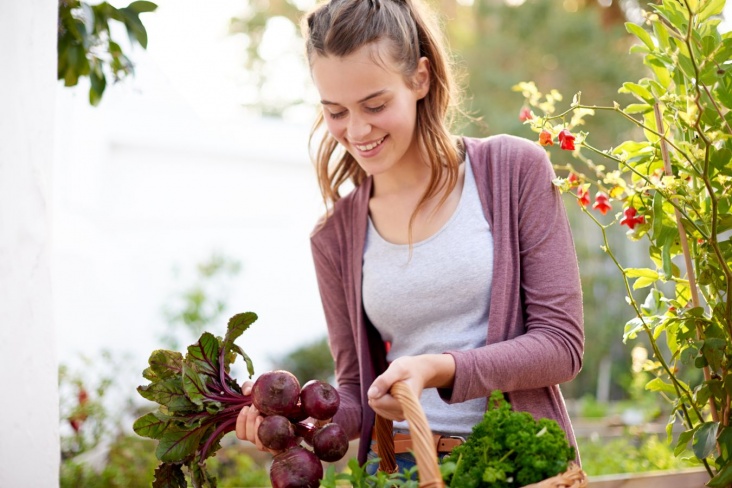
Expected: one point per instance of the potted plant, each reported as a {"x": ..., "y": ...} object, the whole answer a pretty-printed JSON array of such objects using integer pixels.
[{"x": 671, "y": 187}]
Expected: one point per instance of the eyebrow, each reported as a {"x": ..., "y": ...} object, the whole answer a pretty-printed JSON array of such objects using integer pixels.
[{"x": 364, "y": 99}]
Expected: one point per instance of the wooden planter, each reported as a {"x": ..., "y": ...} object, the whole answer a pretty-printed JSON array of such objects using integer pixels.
[{"x": 687, "y": 478}]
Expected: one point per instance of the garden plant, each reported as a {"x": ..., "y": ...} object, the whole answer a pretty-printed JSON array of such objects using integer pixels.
[{"x": 670, "y": 186}]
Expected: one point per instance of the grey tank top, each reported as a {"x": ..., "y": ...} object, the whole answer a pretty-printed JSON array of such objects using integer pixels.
[{"x": 436, "y": 301}]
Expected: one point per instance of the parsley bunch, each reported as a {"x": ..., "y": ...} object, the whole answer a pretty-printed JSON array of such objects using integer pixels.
[{"x": 508, "y": 449}]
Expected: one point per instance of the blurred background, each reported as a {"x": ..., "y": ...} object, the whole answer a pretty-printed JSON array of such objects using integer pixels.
[{"x": 186, "y": 194}]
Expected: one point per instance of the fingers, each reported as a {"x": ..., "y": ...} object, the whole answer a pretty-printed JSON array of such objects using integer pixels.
[
  {"x": 246, "y": 387},
  {"x": 247, "y": 424},
  {"x": 387, "y": 407},
  {"x": 395, "y": 372}
]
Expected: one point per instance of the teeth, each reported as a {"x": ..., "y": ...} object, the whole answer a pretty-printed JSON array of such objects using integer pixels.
[{"x": 369, "y": 147}]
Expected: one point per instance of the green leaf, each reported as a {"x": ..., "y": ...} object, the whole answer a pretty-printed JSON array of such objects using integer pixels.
[
  {"x": 661, "y": 34},
  {"x": 724, "y": 440},
  {"x": 98, "y": 84},
  {"x": 135, "y": 28},
  {"x": 165, "y": 364},
  {"x": 178, "y": 443},
  {"x": 639, "y": 91},
  {"x": 142, "y": 6},
  {"x": 723, "y": 477},
  {"x": 151, "y": 425},
  {"x": 638, "y": 272},
  {"x": 652, "y": 303},
  {"x": 194, "y": 384},
  {"x": 637, "y": 108},
  {"x": 643, "y": 282},
  {"x": 710, "y": 9},
  {"x": 683, "y": 440},
  {"x": 672, "y": 328},
  {"x": 237, "y": 325},
  {"x": 657, "y": 384},
  {"x": 205, "y": 353},
  {"x": 713, "y": 350},
  {"x": 169, "y": 393},
  {"x": 640, "y": 33},
  {"x": 705, "y": 440},
  {"x": 169, "y": 475},
  {"x": 247, "y": 359},
  {"x": 632, "y": 327},
  {"x": 666, "y": 259}
]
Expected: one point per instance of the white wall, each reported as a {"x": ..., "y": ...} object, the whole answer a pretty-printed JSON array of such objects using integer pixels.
[
  {"x": 143, "y": 184},
  {"x": 29, "y": 446}
]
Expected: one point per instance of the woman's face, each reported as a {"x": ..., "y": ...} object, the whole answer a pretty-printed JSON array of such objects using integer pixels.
[{"x": 368, "y": 107}]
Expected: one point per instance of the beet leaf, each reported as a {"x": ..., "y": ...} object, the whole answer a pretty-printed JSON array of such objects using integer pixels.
[{"x": 198, "y": 402}]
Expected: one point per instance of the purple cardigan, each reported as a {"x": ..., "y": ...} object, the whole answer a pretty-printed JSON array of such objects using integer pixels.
[{"x": 535, "y": 336}]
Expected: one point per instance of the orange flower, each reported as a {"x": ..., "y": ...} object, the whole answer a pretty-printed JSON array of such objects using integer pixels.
[{"x": 545, "y": 138}]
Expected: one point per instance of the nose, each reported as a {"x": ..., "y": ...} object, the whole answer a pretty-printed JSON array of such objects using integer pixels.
[{"x": 358, "y": 128}]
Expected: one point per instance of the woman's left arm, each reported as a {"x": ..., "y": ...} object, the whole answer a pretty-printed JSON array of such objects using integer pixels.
[{"x": 550, "y": 350}]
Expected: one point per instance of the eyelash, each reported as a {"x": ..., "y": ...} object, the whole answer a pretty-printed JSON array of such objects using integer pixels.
[{"x": 373, "y": 110}]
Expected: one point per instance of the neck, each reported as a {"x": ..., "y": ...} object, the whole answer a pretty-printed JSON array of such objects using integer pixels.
[{"x": 409, "y": 176}]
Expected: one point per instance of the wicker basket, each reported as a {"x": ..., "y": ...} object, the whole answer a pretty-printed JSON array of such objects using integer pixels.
[{"x": 424, "y": 451}]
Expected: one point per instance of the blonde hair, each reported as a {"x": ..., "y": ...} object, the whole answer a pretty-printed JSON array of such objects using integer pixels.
[{"x": 339, "y": 28}]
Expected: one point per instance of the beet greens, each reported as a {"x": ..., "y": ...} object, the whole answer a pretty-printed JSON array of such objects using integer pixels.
[{"x": 198, "y": 403}]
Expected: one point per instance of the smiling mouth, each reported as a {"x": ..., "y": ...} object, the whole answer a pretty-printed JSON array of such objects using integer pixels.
[{"x": 368, "y": 147}]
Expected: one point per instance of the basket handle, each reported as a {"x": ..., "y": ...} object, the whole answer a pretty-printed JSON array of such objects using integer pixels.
[{"x": 422, "y": 440}]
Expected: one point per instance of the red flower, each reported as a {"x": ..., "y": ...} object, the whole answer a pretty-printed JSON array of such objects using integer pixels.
[
  {"x": 584, "y": 197},
  {"x": 545, "y": 138},
  {"x": 566, "y": 140},
  {"x": 631, "y": 218},
  {"x": 83, "y": 396},
  {"x": 602, "y": 203},
  {"x": 525, "y": 114},
  {"x": 573, "y": 179}
]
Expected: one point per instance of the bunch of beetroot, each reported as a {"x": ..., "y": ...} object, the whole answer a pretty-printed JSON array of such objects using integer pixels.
[
  {"x": 278, "y": 396},
  {"x": 199, "y": 402}
]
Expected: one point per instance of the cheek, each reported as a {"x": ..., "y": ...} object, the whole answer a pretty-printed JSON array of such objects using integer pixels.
[{"x": 334, "y": 126}]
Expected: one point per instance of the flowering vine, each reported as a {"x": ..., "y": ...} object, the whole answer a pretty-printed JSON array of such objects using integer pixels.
[{"x": 673, "y": 189}]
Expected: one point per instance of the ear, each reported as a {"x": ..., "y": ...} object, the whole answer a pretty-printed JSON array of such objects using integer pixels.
[{"x": 422, "y": 78}]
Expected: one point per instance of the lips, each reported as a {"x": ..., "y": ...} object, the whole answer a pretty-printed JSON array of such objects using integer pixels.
[{"x": 370, "y": 145}]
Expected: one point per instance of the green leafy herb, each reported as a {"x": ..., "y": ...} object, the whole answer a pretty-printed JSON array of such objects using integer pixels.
[
  {"x": 198, "y": 403},
  {"x": 508, "y": 449}
]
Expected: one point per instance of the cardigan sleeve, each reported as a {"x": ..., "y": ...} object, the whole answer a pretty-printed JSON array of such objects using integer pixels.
[
  {"x": 341, "y": 340},
  {"x": 548, "y": 348}
]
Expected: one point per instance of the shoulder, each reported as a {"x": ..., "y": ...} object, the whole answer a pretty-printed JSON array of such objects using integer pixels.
[
  {"x": 333, "y": 227},
  {"x": 504, "y": 150}
]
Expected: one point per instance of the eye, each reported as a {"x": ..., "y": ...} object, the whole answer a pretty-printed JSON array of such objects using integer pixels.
[
  {"x": 337, "y": 115},
  {"x": 375, "y": 110}
]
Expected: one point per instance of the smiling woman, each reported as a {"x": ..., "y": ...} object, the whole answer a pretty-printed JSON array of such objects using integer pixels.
[
  {"x": 371, "y": 112},
  {"x": 454, "y": 251}
]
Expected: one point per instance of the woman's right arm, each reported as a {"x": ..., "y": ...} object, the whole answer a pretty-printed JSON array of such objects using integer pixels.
[{"x": 340, "y": 336}]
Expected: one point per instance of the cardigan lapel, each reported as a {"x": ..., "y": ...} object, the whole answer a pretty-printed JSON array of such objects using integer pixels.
[{"x": 359, "y": 224}]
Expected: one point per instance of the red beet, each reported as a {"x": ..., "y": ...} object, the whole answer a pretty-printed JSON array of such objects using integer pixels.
[
  {"x": 277, "y": 433},
  {"x": 276, "y": 393},
  {"x": 319, "y": 400},
  {"x": 330, "y": 443},
  {"x": 296, "y": 468}
]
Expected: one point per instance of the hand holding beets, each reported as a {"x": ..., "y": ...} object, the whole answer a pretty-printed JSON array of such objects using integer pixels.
[{"x": 275, "y": 421}]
